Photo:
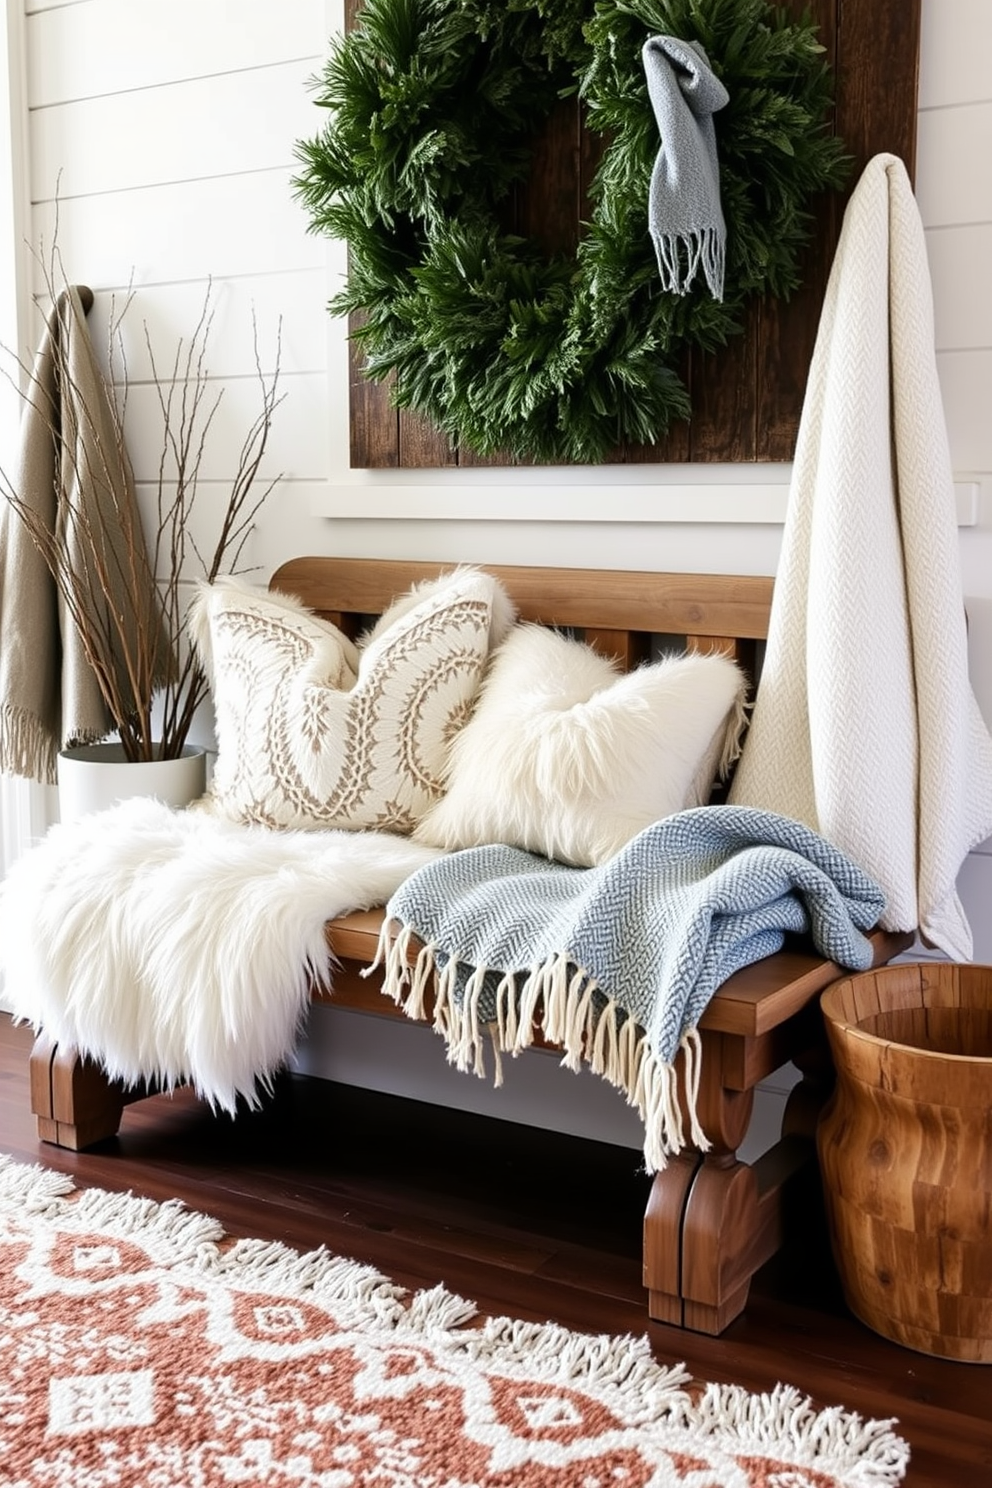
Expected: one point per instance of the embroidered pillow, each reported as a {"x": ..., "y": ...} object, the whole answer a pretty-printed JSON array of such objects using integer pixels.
[
  {"x": 566, "y": 756},
  {"x": 315, "y": 732}
]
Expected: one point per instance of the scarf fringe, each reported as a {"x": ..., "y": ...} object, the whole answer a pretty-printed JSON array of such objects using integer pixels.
[
  {"x": 27, "y": 749},
  {"x": 559, "y": 1001},
  {"x": 681, "y": 254}
]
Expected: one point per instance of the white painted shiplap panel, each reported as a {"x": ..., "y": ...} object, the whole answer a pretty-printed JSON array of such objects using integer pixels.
[
  {"x": 966, "y": 386},
  {"x": 286, "y": 527},
  {"x": 975, "y": 889},
  {"x": 205, "y": 514},
  {"x": 245, "y": 121},
  {"x": 171, "y": 312},
  {"x": 953, "y": 182},
  {"x": 246, "y": 224},
  {"x": 955, "y": 43},
  {"x": 283, "y": 528},
  {"x": 962, "y": 290},
  {"x": 979, "y": 611},
  {"x": 296, "y": 445},
  {"x": 30, "y": 6},
  {"x": 109, "y": 46}
]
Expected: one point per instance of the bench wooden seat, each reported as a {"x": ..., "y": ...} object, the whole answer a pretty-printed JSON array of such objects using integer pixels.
[{"x": 711, "y": 1220}]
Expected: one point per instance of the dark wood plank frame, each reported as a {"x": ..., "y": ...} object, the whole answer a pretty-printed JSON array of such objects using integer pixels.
[
  {"x": 712, "y": 1220},
  {"x": 747, "y": 399}
]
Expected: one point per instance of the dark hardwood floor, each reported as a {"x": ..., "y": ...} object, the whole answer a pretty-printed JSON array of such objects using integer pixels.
[{"x": 532, "y": 1224}]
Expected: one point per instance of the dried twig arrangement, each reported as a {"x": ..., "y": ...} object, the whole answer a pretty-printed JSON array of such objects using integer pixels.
[{"x": 122, "y": 591}]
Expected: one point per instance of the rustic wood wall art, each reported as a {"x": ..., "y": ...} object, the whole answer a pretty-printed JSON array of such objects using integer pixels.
[{"x": 747, "y": 398}]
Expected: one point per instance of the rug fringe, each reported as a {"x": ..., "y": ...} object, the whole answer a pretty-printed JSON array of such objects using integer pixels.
[
  {"x": 570, "y": 1010},
  {"x": 168, "y": 1230},
  {"x": 437, "y": 1309},
  {"x": 782, "y": 1422},
  {"x": 863, "y": 1453},
  {"x": 174, "y": 1234},
  {"x": 623, "y": 1365},
  {"x": 32, "y": 1189},
  {"x": 317, "y": 1274},
  {"x": 868, "y": 1452}
]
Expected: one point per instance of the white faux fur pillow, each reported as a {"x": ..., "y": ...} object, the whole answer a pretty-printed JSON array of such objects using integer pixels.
[
  {"x": 566, "y": 756},
  {"x": 315, "y": 732}
]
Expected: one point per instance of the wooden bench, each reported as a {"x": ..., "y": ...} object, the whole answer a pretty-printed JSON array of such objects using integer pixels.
[{"x": 711, "y": 1220}]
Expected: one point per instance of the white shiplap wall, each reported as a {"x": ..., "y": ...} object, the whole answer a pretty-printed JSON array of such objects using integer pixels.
[
  {"x": 954, "y": 190},
  {"x": 165, "y": 130},
  {"x": 161, "y": 142}
]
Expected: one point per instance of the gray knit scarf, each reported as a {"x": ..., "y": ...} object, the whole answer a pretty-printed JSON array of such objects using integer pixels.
[{"x": 684, "y": 213}]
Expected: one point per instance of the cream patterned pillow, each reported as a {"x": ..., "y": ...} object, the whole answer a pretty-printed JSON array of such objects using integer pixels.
[
  {"x": 567, "y": 757},
  {"x": 315, "y": 732}
]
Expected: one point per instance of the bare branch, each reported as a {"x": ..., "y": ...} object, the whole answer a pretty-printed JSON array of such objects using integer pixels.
[{"x": 140, "y": 657}]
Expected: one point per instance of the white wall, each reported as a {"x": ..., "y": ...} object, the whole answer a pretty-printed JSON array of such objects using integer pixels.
[
  {"x": 954, "y": 190},
  {"x": 26, "y": 807},
  {"x": 165, "y": 128}
]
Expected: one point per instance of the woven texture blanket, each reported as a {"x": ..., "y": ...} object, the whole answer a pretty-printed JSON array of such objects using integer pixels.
[
  {"x": 865, "y": 726},
  {"x": 617, "y": 963}
]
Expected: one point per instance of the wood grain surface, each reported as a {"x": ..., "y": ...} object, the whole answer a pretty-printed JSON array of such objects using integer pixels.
[{"x": 906, "y": 1152}]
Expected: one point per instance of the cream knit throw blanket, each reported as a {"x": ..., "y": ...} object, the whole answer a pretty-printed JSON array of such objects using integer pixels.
[{"x": 865, "y": 726}]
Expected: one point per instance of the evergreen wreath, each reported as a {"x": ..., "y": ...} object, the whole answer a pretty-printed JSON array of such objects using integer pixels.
[{"x": 434, "y": 105}]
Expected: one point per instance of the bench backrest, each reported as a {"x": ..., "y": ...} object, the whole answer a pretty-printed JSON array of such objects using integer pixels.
[{"x": 620, "y": 613}]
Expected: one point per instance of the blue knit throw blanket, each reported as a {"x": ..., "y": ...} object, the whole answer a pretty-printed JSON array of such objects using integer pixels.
[{"x": 616, "y": 964}]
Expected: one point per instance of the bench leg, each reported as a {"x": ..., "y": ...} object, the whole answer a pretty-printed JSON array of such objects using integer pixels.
[
  {"x": 712, "y": 1221},
  {"x": 74, "y": 1100}
]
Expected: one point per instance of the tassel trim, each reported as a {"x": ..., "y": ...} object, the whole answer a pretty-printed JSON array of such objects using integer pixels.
[
  {"x": 681, "y": 255},
  {"x": 558, "y": 1000},
  {"x": 27, "y": 748}
]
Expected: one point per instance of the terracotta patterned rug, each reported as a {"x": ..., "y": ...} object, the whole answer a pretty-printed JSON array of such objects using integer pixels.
[{"x": 140, "y": 1349}]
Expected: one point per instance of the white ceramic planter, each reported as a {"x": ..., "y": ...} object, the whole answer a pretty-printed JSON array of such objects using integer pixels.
[{"x": 92, "y": 777}]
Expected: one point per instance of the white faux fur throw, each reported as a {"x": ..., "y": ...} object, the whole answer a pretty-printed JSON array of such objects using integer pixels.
[
  {"x": 175, "y": 946},
  {"x": 865, "y": 726}
]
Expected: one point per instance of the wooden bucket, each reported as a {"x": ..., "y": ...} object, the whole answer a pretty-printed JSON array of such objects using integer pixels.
[{"x": 905, "y": 1147}]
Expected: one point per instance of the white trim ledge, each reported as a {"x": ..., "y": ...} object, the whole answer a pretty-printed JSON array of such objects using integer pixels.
[
  {"x": 569, "y": 501},
  {"x": 575, "y": 498}
]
